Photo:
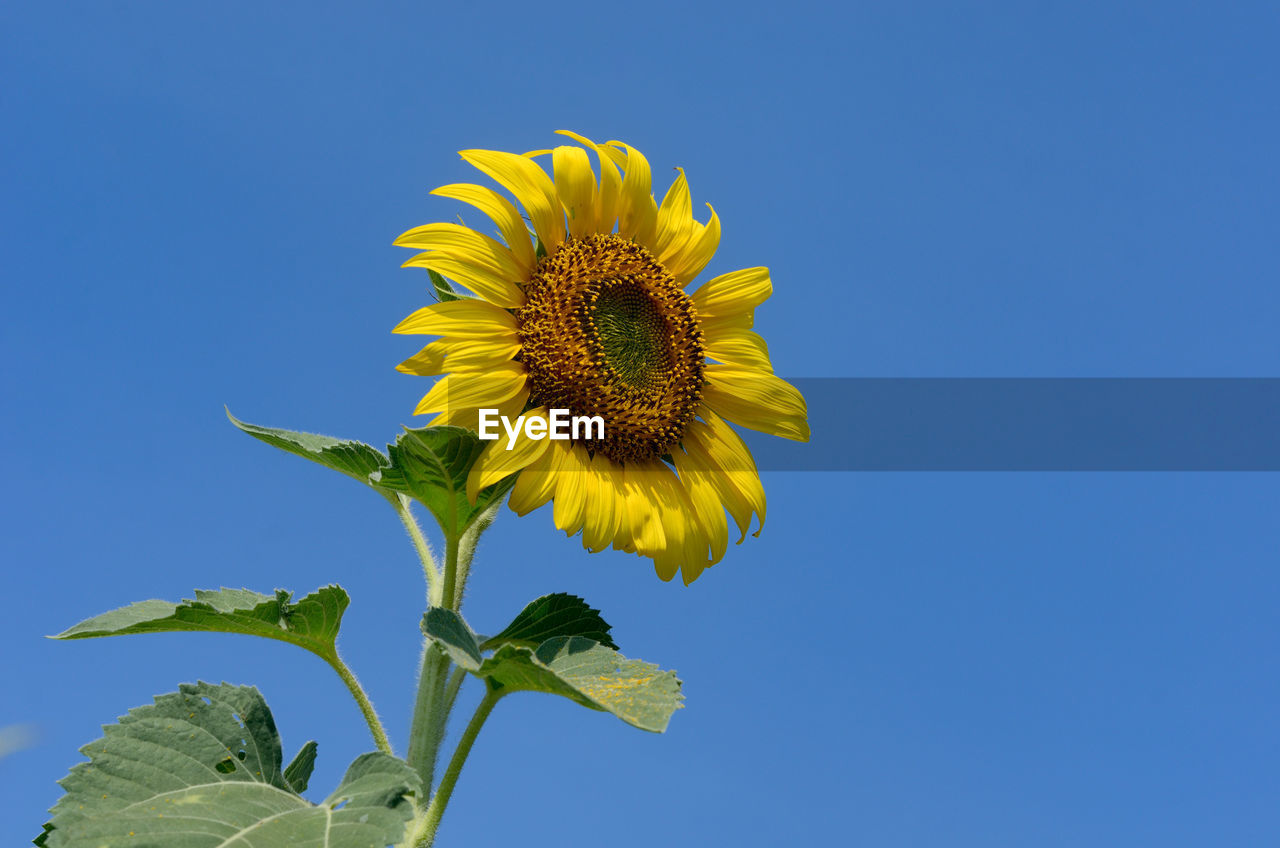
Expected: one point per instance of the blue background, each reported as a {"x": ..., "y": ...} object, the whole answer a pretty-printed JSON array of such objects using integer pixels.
[{"x": 198, "y": 208}]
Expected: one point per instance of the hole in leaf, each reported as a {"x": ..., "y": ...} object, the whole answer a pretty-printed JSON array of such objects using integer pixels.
[
  {"x": 241, "y": 755},
  {"x": 226, "y": 766}
]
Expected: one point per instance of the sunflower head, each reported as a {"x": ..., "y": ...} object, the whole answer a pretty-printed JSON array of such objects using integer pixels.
[{"x": 590, "y": 313}]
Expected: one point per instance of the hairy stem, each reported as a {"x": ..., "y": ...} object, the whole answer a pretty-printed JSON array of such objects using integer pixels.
[
  {"x": 456, "y": 679},
  {"x": 429, "y": 569},
  {"x": 424, "y": 832},
  {"x": 366, "y": 706},
  {"x": 467, "y": 550},
  {"x": 427, "y": 730},
  {"x": 450, "y": 572},
  {"x": 430, "y": 710}
]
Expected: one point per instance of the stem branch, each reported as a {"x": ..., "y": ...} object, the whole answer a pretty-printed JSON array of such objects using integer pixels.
[
  {"x": 366, "y": 706},
  {"x": 425, "y": 829},
  {"x": 420, "y": 544},
  {"x": 427, "y": 730}
]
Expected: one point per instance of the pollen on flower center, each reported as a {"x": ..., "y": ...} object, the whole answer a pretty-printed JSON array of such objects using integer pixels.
[{"x": 606, "y": 330}]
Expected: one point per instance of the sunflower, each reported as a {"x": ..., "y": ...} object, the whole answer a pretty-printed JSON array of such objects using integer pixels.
[{"x": 588, "y": 312}]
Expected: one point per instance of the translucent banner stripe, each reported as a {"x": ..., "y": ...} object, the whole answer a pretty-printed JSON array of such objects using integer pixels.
[
  {"x": 1013, "y": 424},
  {"x": 1033, "y": 424}
]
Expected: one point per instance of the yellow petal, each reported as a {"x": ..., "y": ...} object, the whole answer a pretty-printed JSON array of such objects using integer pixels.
[
  {"x": 495, "y": 289},
  {"x": 638, "y": 213},
  {"x": 576, "y": 184},
  {"x": 734, "y": 293},
  {"x": 685, "y": 545},
  {"x": 504, "y": 214},
  {"x": 469, "y": 417},
  {"x": 530, "y": 185},
  {"x": 464, "y": 242},
  {"x": 463, "y": 319},
  {"x": 571, "y": 488},
  {"x": 727, "y": 450},
  {"x": 675, "y": 217},
  {"x": 736, "y": 484},
  {"x": 610, "y": 185},
  {"x": 616, "y": 155},
  {"x": 757, "y": 400},
  {"x": 645, "y": 534},
  {"x": 697, "y": 252},
  {"x": 496, "y": 462},
  {"x": 468, "y": 390},
  {"x": 617, "y": 480},
  {"x": 693, "y": 550},
  {"x": 427, "y": 362},
  {"x": 603, "y": 514},
  {"x": 463, "y": 355},
  {"x": 739, "y": 347},
  {"x": 536, "y": 484},
  {"x": 608, "y": 195},
  {"x": 471, "y": 355},
  {"x": 706, "y": 503},
  {"x": 716, "y": 324}
]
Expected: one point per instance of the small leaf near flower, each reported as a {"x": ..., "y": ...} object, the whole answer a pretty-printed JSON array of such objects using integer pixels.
[
  {"x": 431, "y": 464},
  {"x": 574, "y": 667},
  {"x": 559, "y": 614},
  {"x": 447, "y": 629}
]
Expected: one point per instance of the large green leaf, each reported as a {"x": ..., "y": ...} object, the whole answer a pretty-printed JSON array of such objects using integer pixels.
[
  {"x": 587, "y": 672},
  {"x": 559, "y": 614},
  {"x": 431, "y": 465},
  {"x": 573, "y": 667},
  {"x": 355, "y": 459},
  {"x": 200, "y": 768},
  {"x": 311, "y": 623}
]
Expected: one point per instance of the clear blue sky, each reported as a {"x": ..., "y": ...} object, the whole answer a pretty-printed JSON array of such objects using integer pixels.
[{"x": 198, "y": 206}]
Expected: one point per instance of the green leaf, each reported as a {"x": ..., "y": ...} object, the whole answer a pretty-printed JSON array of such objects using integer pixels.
[
  {"x": 355, "y": 459},
  {"x": 298, "y": 773},
  {"x": 444, "y": 291},
  {"x": 447, "y": 629},
  {"x": 311, "y": 623},
  {"x": 559, "y": 614},
  {"x": 431, "y": 465},
  {"x": 590, "y": 674},
  {"x": 200, "y": 768}
]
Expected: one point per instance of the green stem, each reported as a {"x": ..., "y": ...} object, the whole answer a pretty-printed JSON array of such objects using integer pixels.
[
  {"x": 450, "y": 572},
  {"x": 430, "y": 713},
  {"x": 467, "y": 550},
  {"x": 429, "y": 570},
  {"x": 366, "y": 706},
  {"x": 425, "y": 829},
  {"x": 456, "y": 678},
  {"x": 427, "y": 730}
]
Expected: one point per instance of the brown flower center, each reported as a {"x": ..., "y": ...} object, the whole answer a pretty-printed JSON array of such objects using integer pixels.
[{"x": 606, "y": 330}]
